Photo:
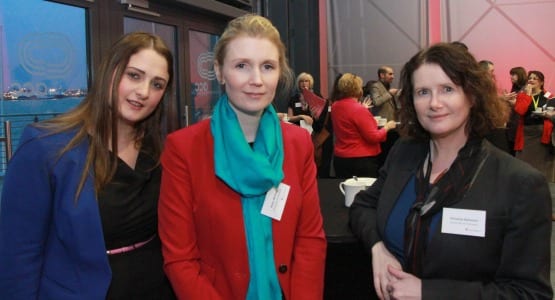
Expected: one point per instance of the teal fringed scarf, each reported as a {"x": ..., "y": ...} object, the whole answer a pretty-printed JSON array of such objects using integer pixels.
[{"x": 251, "y": 172}]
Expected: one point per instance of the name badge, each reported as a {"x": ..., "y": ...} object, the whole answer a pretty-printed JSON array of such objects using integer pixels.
[
  {"x": 464, "y": 222},
  {"x": 297, "y": 104},
  {"x": 274, "y": 203}
]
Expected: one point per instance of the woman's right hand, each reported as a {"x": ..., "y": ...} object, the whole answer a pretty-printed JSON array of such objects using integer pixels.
[{"x": 381, "y": 258}]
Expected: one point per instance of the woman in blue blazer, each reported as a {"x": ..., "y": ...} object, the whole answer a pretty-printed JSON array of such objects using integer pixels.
[
  {"x": 451, "y": 216},
  {"x": 78, "y": 211}
]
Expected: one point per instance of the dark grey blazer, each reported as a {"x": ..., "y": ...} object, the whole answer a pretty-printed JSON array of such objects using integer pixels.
[{"x": 511, "y": 262}]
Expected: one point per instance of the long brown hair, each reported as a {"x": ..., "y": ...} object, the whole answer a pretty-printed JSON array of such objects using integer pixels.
[{"x": 96, "y": 117}]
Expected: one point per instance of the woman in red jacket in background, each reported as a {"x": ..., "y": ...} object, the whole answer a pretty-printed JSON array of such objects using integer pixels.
[
  {"x": 357, "y": 136},
  {"x": 533, "y": 135}
]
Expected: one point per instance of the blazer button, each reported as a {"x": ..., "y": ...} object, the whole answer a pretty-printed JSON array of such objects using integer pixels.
[{"x": 282, "y": 268}]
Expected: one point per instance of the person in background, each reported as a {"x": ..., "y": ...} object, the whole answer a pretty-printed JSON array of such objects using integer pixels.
[
  {"x": 518, "y": 83},
  {"x": 497, "y": 136},
  {"x": 239, "y": 207},
  {"x": 79, "y": 202},
  {"x": 298, "y": 108},
  {"x": 385, "y": 102},
  {"x": 383, "y": 95},
  {"x": 536, "y": 129},
  {"x": 357, "y": 136},
  {"x": 450, "y": 215},
  {"x": 489, "y": 67}
]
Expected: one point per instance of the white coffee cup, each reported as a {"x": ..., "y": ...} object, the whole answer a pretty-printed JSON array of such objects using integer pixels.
[{"x": 352, "y": 186}]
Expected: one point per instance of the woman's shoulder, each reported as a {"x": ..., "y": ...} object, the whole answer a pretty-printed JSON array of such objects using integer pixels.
[
  {"x": 37, "y": 135},
  {"x": 192, "y": 134},
  {"x": 408, "y": 147},
  {"x": 293, "y": 132},
  {"x": 510, "y": 166},
  {"x": 38, "y": 144}
]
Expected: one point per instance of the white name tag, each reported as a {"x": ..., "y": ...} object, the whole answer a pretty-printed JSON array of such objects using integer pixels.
[
  {"x": 298, "y": 104},
  {"x": 275, "y": 201},
  {"x": 464, "y": 222}
]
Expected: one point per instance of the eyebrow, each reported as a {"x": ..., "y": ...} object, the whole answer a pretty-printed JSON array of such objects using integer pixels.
[{"x": 143, "y": 72}]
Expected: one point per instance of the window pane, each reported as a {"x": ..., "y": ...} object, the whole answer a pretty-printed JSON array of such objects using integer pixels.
[
  {"x": 205, "y": 89},
  {"x": 43, "y": 62}
]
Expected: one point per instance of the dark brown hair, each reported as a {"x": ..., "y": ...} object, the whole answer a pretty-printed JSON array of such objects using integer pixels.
[{"x": 487, "y": 110}]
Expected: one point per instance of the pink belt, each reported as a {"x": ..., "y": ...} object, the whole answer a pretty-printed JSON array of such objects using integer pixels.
[{"x": 129, "y": 248}]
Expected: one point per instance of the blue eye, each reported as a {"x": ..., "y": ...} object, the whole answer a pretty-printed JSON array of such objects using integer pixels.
[{"x": 422, "y": 92}]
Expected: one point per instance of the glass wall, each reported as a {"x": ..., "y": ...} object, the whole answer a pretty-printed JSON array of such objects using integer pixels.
[
  {"x": 205, "y": 89},
  {"x": 43, "y": 62}
]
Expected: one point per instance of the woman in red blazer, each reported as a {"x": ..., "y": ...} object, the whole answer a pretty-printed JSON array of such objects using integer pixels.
[{"x": 239, "y": 211}]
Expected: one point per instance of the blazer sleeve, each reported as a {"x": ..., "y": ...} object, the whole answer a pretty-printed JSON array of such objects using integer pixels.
[
  {"x": 379, "y": 94},
  {"x": 177, "y": 229},
  {"x": 25, "y": 217},
  {"x": 522, "y": 103},
  {"x": 309, "y": 253},
  {"x": 363, "y": 216},
  {"x": 524, "y": 264}
]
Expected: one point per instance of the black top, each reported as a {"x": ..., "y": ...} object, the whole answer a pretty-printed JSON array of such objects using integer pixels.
[
  {"x": 298, "y": 109},
  {"x": 128, "y": 209},
  {"x": 128, "y": 204},
  {"x": 530, "y": 118}
]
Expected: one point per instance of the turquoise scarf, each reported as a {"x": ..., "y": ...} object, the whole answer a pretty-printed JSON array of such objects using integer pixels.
[{"x": 251, "y": 172}]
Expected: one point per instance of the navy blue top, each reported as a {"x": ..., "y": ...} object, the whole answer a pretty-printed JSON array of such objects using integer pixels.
[{"x": 394, "y": 238}]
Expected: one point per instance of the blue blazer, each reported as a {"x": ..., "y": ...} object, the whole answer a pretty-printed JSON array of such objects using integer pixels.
[{"x": 51, "y": 244}]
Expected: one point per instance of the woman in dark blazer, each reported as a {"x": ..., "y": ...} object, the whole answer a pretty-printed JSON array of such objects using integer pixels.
[{"x": 448, "y": 217}]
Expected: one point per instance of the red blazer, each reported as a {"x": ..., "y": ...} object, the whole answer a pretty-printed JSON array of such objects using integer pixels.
[
  {"x": 355, "y": 129},
  {"x": 201, "y": 223}
]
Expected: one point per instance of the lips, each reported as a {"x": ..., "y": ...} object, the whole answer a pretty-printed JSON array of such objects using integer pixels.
[
  {"x": 437, "y": 117},
  {"x": 134, "y": 103},
  {"x": 254, "y": 95}
]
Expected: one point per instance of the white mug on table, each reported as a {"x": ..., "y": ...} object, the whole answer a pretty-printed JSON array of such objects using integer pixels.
[{"x": 352, "y": 186}]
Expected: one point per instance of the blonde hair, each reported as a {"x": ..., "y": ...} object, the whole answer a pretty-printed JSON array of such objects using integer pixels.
[
  {"x": 256, "y": 26},
  {"x": 350, "y": 85},
  {"x": 304, "y": 76}
]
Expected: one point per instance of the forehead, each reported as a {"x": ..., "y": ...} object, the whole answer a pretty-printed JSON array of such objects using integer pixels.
[
  {"x": 151, "y": 62},
  {"x": 252, "y": 48},
  {"x": 533, "y": 76},
  {"x": 428, "y": 75}
]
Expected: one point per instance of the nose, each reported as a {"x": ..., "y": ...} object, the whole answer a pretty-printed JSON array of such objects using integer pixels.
[
  {"x": 256, "y": 78},
  {"x": 142, "y": 90},
  {"x": 435, "y": 102}
]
